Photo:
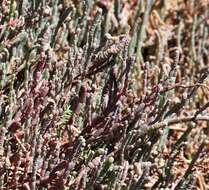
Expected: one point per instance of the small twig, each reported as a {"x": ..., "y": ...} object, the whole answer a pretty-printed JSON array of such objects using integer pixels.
[
  {"x": 146, "y": 129},
  {"x": 189, "y": 169},
  {"x": 182, "y": 86},
  {"x": 201, "y": 109},
  {"x": 20, "y": 143}
]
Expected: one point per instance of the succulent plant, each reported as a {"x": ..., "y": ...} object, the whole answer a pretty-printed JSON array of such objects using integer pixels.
[{"x": 104, "y": 94}]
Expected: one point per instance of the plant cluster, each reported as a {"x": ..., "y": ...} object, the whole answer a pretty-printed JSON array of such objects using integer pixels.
[{"x": 104, "y": 94}]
